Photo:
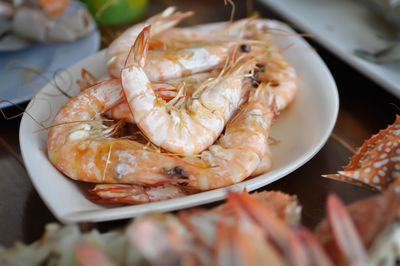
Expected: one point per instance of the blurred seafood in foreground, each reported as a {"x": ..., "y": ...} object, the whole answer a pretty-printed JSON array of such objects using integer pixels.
[
  {"x": 45, "y": 21},
  {"x": 249, "y": 229},
  {"x": 244, "y": 229}
]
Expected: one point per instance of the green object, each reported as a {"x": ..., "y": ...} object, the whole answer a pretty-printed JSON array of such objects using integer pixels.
[{"x": 115, "y": 12}]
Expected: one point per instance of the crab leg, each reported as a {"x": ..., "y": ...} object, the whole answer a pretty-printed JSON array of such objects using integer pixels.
[
  {"x": 315, "y": 252},
  {"x": 88, "y": 255},
  {"x": 347, "y": 239},
  {"x": 275, "y": 229}
]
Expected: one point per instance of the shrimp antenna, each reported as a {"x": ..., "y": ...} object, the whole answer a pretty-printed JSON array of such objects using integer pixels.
[
  {"x": 10, "y": 150},
  {"x": 395, "y": 106},
  {"x": 65, "y": 123},
  {"x": 343, "y": 142},
  {"x": 17, "y": 115},
  {"x": 39, "y": 73},
  {"x": 233, "y": 9},
  {"x": 249, "y": 7}
]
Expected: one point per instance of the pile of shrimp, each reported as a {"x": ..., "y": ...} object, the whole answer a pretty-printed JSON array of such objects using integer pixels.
[{"x": 181, "y": 110}]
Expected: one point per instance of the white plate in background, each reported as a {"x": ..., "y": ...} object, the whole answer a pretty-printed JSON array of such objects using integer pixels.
[
  {"x": 343, "y": 26},
  {"x": 302, "y": 130},
  {"x": 18, "y": 85}
]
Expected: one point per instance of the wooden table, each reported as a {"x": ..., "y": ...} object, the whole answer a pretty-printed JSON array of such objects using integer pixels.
[{"x": 365, "y": 108}]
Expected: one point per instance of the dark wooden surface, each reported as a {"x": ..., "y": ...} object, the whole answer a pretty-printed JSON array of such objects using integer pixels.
[{"x": 365, "y": 108}]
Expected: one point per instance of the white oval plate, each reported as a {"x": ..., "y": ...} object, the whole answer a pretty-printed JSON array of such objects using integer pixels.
[{"x": 302, "y": 130}]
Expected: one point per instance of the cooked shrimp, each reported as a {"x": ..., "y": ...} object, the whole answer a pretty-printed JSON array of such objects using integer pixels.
[
  {"x": 172, "y": 91},
  {"x": 178, "y": 38},
  {"x": 170, "y": 64},
  {"x": 274, "y": 68},
  {"x": 80, "y": 146},
  {"x": 119, "y": 48},
  {"x": 187, "y": 130},
  {"x": 239, "y": 151},
  {"x": 282, "y": 77},
  {"x": 265, "y": 164}
]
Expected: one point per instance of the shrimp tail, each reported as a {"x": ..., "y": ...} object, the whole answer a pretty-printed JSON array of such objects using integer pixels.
[
  {"x": 138, "y": 53},
  {"x": 169, "y": 18}
]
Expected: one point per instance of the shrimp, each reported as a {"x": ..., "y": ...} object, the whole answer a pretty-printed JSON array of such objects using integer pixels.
[
  {"x": 178, "y": 38},
  {"x": 187, "y": 130},
  {"x": 119, "y": 48},
  {"x": 172, "y": 91},
  {"x": 80, "y": 145},
  {"x": 239, "y": 151},
  {"x": 170, "y": 64},
  {"x": 265, "y": 164},
  {"x": 274, "y": 68},
  {"x": 136, "y": 194},
  {"x": 281, "y": 75},
  {"x": 170, "y": 58}
]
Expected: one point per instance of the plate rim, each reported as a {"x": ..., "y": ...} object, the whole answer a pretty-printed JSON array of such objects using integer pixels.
[{"x": 190, "y": 200}]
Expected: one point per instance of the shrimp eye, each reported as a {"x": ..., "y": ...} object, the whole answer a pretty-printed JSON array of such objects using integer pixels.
[
  {"x": 261, "y": 67},
  {"x": 255, "y": 74},
  {"x": 255, "y": 83},
  {"x": 177, "y": 172},
  {"x": 245, "y": 48}
]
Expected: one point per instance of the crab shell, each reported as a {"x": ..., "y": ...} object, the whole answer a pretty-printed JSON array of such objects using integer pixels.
[{"x": 377, "y": 162}]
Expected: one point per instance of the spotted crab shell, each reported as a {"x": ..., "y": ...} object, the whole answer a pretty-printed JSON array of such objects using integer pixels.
[{"x": 376, "y": 164}]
